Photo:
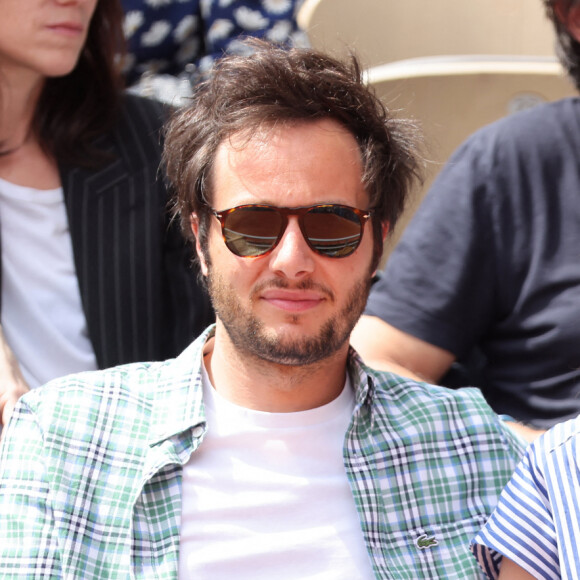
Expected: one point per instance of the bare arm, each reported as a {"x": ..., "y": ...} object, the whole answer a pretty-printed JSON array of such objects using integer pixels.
[
  {"x": 384, "y": 347},
  {"x": 12, "y": 383},
  {"x": 525, "y": 432},
  {"x": 511, "y": 571}
]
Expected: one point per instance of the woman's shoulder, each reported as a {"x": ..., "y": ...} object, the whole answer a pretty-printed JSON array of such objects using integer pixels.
[
  {"x": 558, "y": 439},
  {"x": 138, "y": 134},
  {"x": 144, "y": 112}
]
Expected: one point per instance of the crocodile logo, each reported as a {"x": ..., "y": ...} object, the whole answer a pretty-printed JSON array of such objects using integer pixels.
[{"x": 424, "y": 542}]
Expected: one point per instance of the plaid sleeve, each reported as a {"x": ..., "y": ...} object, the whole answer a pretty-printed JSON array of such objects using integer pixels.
[
  {"x": 28, "y": 546},
  {"x": 515, "y": 445}
]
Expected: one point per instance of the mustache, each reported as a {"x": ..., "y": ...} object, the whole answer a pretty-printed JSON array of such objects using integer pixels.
[{"x": 285, "y": 285}]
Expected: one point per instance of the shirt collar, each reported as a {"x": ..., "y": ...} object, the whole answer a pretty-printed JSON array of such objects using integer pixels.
[
  {"x": 179, "y": 404},
  {"x": 180, "y": 407},
  {"x": 361, "y": 379}
]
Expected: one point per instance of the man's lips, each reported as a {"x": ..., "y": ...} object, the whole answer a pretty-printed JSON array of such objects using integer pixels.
[{"x": 292, "y": 300}]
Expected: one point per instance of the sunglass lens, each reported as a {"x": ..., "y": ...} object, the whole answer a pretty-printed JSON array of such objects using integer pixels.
[
  {"x": 333, "y": 231},
  {"x": 252, "y": 231}
]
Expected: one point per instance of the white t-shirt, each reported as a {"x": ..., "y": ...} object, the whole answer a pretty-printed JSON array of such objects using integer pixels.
[
  {"x": 42, "y": 314},
  {"x": 266, "y": 496}
]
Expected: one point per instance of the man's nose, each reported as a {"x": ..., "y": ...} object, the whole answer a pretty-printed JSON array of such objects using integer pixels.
[{"x": 292, "y": 258}]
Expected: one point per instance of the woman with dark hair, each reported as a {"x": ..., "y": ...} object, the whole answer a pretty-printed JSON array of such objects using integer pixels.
[{"x": 94, "y": 273}]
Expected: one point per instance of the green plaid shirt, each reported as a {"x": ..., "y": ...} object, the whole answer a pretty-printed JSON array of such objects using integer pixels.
[{"x": 90, "y": 472}]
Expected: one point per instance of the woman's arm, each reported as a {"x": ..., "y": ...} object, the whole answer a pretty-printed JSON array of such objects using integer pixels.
[
  {"x": 12, "y": 383},
  {"x": 509, "y": 570}
]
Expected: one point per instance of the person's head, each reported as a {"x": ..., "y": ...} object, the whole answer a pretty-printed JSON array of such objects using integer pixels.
[
  {"x": 72, "y": 47},
  {"x": 565, "y": 15},
  {"x": 275, "y": 87},
  {"x": 295, "y": 130}
]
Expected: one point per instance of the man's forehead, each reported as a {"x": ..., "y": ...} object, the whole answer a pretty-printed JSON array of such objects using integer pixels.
[
  {"x": 260, "y": 145},
  {"x": 270, "y": 134},
  {"x": 317, "y": 157}
]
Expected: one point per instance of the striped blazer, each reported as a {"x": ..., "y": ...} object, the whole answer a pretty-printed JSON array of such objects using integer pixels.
[{"x": 138, "y": 287}]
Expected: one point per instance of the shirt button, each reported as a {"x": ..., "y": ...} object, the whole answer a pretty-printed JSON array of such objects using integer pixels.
[{"x": 197, "y": 431}]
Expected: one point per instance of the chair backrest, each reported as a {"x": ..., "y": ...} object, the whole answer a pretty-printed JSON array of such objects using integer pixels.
[
  {"x": 388, "y": 30},
  {"x": 453, "y": 97}
]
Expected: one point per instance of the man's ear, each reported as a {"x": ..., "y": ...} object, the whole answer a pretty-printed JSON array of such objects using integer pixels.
[
  {"x": 569, "y": 18},
  {"x": 194, "y": 222},
  {"x": 385, "y": 226}
]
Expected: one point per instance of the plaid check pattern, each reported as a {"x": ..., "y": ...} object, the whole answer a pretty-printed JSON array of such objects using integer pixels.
[
  {"x": 426, "y": 465},
  {"x": 90, "y": 472}
]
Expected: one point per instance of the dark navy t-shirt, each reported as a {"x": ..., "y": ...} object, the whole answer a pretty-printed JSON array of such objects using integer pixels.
[{"x": 492, "y": 260}]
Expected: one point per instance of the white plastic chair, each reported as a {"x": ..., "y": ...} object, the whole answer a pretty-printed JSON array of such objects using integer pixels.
[{"x": 384, "y": 31}]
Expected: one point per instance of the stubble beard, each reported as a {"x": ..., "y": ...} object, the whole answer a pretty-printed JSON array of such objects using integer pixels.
[{"x": 249, "y": 335}]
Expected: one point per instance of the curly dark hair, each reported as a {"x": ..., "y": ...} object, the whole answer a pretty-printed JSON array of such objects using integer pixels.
[
  {"x": 275, "y": 85},
  {"x": 75, "y": 109},
  {"x": 568, "y": 47}
]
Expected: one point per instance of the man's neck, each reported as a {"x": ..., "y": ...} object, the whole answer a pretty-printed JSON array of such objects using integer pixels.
[{"x": 258, "y": 384}]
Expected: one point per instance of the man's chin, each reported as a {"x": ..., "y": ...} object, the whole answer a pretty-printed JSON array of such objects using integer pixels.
[
  {"x": 299, "y": 336},
  {"x": 294, "y": 346}
]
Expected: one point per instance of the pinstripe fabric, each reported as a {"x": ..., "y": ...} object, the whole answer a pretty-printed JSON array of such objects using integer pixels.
[
  {"x": 537, "y": 521},
  {"x": 140, "y": 295},
  {"x": 90, "y": 472}
]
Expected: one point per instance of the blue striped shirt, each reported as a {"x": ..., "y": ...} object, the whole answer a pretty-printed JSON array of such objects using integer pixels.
[{"x": 537, "y": 521}]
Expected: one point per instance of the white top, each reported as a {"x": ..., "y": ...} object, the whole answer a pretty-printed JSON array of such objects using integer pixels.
[
  {"x": 42, "y": 315},
  {"x": 266, "y": 496}
]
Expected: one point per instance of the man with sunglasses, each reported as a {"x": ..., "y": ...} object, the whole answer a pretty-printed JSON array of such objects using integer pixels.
[{"x": 266, "y": 449}]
